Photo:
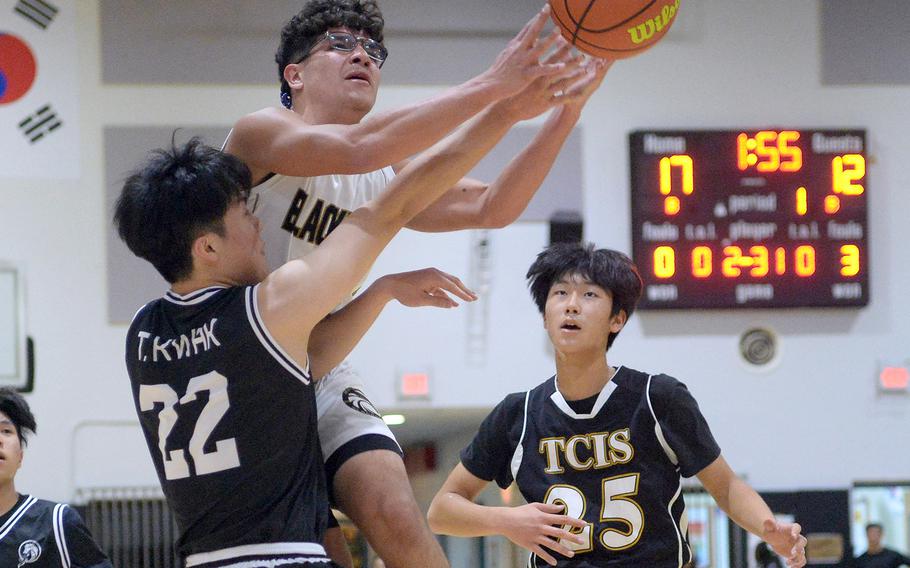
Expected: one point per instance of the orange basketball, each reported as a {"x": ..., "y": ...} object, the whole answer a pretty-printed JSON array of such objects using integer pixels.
[{"x": 614, "y": 29}]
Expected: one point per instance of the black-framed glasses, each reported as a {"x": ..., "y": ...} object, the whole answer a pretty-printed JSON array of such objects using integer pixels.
[{"x": 346, "y": 41}]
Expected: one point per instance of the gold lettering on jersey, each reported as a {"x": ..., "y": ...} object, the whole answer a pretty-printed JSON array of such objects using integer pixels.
[
  {"x": 621, "y": 450},
  {"x": 551, "y": 447},
  {"x": 601, "y": 450},
  {"x": 572, "y": 454},
  {"x": 318, "y": 225},
  {"x": 200, "y": 339}
]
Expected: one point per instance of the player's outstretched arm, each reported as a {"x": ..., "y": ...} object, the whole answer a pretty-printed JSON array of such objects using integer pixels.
[
  {"x": 336, "y": 335},
  {"x": 278, "y": 140},
  {"x": 473, "y": 204},
  {"x": 749, "y": 510},
  {"x": 293, "y": 298},
  {"x": 536, "y": 526}
]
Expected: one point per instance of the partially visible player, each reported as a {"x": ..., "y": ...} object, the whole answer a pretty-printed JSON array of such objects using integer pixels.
[
  {"x": 597, "y": 451},
  {"x": 33, "y": 532},
  {"x": 877, "y": 555},
  {"x": 220, "y": 367},
  {"x": 322, "y": 157}
]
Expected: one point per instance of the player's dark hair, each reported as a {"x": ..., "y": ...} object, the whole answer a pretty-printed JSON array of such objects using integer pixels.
[
  {"x": 178, "y": 195},
  {"x": 875, "y": 526},
  {"x": 16, "y": 409},
  {"x": 306, "y": 28},
  {"x": 611, "y": 270}
]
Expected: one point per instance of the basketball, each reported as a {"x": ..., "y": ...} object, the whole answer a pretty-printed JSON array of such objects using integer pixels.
[{"x": 614, "y": 29}]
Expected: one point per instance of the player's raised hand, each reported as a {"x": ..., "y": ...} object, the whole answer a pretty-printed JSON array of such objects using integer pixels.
[
  {"x": 577, "y": 94},
  {"x": 538, "y": 527},
  {"x": 786, "y": 540},
  {"x": 544, "y": 93},
  {"x": 427, "y": 287},
  {"x": 519, "y": 63}
]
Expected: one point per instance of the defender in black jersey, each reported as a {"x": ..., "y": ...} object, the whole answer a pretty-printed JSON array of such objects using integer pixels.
[
  {"x": 219, "y": 367},
  {"x": 35, "y": 533},
  {"x": 597, "y": 451}
]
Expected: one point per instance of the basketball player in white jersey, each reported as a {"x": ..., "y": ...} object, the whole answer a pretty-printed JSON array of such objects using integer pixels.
[{"x": 320, "y": 158}]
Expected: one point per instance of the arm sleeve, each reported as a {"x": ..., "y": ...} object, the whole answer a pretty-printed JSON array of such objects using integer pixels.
[
  {"x": 79, "y": 544},
  {"x": 489, "y": 455},
  {"x": 684, "y": 427}
]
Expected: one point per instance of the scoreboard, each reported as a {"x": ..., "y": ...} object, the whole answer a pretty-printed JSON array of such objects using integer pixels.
[{"x": 750, "y": 218}]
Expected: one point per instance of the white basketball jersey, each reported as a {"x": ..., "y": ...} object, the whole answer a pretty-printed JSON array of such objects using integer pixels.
[{"x": 298, "y": 213}]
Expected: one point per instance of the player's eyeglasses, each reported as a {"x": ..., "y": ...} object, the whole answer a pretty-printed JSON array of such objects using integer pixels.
[{"x": 344, "y": 41}]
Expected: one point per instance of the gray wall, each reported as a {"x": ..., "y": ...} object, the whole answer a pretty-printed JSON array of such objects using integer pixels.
[{"x": 865, "y": 43}]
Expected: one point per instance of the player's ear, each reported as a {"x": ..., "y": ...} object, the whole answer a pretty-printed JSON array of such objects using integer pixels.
[
  {"x": 618, "y": 321},
  {"x": 205, "y": 248},
  {"x": 293, "y": 74}
]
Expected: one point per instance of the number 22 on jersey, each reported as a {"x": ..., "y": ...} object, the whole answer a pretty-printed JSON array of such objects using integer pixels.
[
  {"x": 615, "y": 506},
  {"x": 175, "y": 465}
]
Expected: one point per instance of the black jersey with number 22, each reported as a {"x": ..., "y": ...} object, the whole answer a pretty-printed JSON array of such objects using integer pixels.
[{"x": 230, "y": 421}]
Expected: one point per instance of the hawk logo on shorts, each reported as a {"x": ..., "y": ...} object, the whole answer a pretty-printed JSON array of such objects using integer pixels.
[
  {"x": 359, "y": 402},
  {"x": 29, "y": 551}
]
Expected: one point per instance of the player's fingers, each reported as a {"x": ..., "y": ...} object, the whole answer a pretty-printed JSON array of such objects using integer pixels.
[
  {"x": 438, "y": 301},
  {"x": 461, "y": 289},
  {"x": 529, "y": 34},
  {"x": 550, "y": 508},
  {"x": 800, "y": 547},
  {"x": 563, "y": 52},
  {"x": 456, "y": 287},
  {"x": 542, "y": 554},
  {"x": 550, "y": 69},
  {"x": 797, "y": 562},
  {"x": 544, "y": 46},
  {"x": 556, "y": 547},
  {"x": 564, "y": 83},
  {"x": 560, "y": 534},
  {"x": 795, "y": 530},
  {"x": 563, "y": 520}
]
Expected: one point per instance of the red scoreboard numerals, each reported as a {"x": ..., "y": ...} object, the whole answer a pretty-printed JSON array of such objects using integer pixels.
[
  {"x": 684, "y": 163},
  {"x": 846, "y": 170},
  {"x": 769, "y": 151}
]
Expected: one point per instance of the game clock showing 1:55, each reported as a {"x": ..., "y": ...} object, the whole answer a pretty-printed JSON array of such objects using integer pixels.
[{"x": 772, "y": 218}]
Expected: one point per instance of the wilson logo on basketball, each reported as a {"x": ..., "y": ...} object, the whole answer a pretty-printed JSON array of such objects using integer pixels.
[{"x": 646, "y": 30}]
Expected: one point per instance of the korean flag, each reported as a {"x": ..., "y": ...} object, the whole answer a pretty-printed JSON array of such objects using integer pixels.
[{"x": 39, "y": 84}]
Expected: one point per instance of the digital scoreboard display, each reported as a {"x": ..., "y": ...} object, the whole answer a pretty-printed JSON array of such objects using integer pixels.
[{"x": 750, "y": 218}]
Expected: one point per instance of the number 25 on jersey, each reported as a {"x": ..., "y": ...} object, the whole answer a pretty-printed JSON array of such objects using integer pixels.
[{"x": 616, "y": 507}]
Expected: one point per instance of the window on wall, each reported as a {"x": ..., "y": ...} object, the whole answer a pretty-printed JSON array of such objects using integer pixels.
[
  {"x": 887, "y": 504},
  {"x": 14, "y": 365}
]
